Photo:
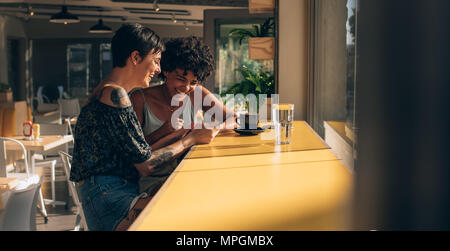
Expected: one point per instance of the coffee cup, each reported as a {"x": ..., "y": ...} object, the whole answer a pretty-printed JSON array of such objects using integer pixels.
[{"x": 248, "y": 121}]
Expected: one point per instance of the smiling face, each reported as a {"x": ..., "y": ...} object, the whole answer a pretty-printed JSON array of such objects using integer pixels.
[
  {"x": 180, "y": 81},
  {"x": 148, "y": 67}
]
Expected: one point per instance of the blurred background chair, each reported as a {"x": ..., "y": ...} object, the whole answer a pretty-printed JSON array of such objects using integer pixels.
[
  {"x": 69, "y": 108},
  {"x": 80, "y": 221},
  {"x": 43, "y": 104},
  {"x": 50, "y": 162},
  {"x": 26, "y": 177},
  {"x": 60, "y": 91},
  {"x": 52, "y": 117},
  {"x": 40, "y": 97},
  {"x": 20, "y": 209}
]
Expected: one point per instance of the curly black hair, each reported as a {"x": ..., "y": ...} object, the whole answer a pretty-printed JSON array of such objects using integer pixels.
[{"x": 189, "y": 54}]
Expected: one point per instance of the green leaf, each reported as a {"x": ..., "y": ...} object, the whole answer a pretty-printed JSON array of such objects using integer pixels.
[
  {"x": 267, "y": 28},
  {"x": 257, "y": 30},
  {"x": 254, "y": 81},
  {"x": 241, "y": 33},
  {"x": 245, "y": 89}
]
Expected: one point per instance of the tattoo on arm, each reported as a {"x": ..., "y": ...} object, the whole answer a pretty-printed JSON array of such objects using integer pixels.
[
  {"x": 119, "y": 98},
  {"x": 160, "y": 156}
]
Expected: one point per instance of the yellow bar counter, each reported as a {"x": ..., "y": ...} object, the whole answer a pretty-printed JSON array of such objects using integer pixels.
[{"x": 229, "y": 185}]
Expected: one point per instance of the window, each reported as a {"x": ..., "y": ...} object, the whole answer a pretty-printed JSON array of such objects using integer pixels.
[
  {"x": 232, "y": 54},
  {"x": 106, "y": 63},
  {"x": 78, "y": 62},
  {"x": 334, "y": 64}
]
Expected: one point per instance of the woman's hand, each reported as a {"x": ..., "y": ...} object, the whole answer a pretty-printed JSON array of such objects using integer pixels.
[
  {"x": 173, "y": 127},
  {"x": 169, "y": 139},
  {"x": 202, "y": 136},
  {"x": 177, "y": 130}
]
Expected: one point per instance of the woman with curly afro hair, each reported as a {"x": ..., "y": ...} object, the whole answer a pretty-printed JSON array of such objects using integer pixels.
[{"x": 167, "y": 112}]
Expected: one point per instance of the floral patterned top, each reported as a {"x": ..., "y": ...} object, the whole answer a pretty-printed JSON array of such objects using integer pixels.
[{"x": 108, "y": 141}]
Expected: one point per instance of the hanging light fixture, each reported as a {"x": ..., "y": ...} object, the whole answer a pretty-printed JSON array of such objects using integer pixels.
[
  {"x": 174, "y": 20},
  {"x": 64, "y": 17},
  {"x": 30, "y": 11},
  {"x": 100, "y": 28},
  {"x": 155, "y": 5}
]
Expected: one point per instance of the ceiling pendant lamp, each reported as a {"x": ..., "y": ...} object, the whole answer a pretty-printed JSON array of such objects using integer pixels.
[
  {"x": 64, "y": 17},
  {"x": 100, "y": 28},
  {"x": 174, "y": 20},
  {"x": 155, "y": 6},
  {"x": 30, "y": 11}
]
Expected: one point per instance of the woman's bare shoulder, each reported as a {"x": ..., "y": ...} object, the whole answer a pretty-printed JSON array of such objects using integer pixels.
[
  {"x": 153, "y": 92},
  {"x": 114, "y": 95}
]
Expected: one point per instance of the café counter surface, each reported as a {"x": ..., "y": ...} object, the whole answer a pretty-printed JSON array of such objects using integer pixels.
[{"x": 248, "y": 183}]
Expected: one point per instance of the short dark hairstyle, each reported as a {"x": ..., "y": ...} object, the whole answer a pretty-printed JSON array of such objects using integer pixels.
[
  {"x": 189, "y": 54},
  {"x": 133, "y": 37}
]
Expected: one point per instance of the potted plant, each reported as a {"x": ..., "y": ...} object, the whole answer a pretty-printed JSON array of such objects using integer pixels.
[
  {"x": 261, "y": 40},
  {"x": 254, "y": 81},
  {"x": 5, "y": 93}
]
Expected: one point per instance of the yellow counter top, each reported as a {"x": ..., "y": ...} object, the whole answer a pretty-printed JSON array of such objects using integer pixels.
[
  {"x": 232, "y": 144},
  {"x": 240, "y": 161},
  {"x": 275, "y": 197},
  {"x": 277, "y": 190}
]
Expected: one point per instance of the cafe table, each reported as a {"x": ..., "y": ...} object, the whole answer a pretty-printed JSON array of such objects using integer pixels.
[
  {"x": 247, "y": 183},
  {"x": 45, "y": 143},
  {"x": 41, "y": 145}
]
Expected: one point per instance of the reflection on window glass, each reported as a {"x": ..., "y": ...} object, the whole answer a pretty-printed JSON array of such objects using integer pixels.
[
  {"x": 334, "y": 83},
  {"x": 351, "y": 62}
]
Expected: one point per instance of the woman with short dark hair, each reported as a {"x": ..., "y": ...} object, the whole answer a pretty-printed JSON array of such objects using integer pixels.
[{"x": 110, "y": 151}]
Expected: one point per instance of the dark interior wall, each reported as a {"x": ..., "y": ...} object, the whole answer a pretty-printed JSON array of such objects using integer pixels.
[
  {"x": 49, "y": 63},
  {"x": 21, "y": 92},
  {"x": 12, "y": 31},
  {"x": 402, "y": 170}
]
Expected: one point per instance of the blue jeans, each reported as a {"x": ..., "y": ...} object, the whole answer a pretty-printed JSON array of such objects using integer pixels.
[{"x": 106, "y": 201}]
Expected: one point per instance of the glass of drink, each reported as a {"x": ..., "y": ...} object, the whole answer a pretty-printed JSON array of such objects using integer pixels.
[
  {"x": 36, "y": 131},
  {"x": 283, "y": 117}
]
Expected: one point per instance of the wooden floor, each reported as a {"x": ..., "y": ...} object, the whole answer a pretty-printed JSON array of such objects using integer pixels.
[{"x": 60, "y": 218}]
